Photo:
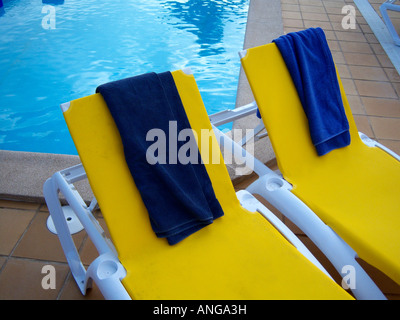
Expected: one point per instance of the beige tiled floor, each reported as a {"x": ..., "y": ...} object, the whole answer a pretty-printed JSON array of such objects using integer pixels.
[
  {"x": 26, "y": 246},
  {"x": 373, "y": 89}
]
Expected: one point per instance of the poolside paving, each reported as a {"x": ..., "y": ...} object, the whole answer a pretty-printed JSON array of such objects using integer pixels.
[{"x": 372, "y": 86}]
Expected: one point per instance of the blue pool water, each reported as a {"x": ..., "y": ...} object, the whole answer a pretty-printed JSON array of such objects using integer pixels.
[{"x": 45, "y": 62}]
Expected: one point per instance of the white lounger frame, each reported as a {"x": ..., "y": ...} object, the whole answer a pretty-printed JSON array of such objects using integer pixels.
[{"x": 106, "y": 270}]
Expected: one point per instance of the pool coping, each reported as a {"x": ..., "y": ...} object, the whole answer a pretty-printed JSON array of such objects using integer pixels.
[{"x": 22, "y": 174}]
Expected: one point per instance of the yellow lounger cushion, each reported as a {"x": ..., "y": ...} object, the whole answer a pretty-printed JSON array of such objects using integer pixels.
[
  {"x": 238, "y": 256},
  {"x": 355, "y": 189}
]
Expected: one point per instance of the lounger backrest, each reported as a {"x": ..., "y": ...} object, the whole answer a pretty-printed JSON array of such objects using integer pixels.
[
  {"x": 100, "y": 148},
  {"x": 283, "y": 114}
]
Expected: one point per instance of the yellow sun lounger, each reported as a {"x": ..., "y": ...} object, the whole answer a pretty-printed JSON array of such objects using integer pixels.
[
  {"x": 239, "y": 256},
  {"x": 353, "y": 191}
]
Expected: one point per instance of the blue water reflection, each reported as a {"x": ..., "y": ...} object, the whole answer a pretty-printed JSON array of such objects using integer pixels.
[{"x": 45, "y": 62}]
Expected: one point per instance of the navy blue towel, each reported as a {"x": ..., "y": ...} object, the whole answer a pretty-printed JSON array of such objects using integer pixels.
[
  {"x": 310, "y": 63},
  {"x": 179, "y": 197}
]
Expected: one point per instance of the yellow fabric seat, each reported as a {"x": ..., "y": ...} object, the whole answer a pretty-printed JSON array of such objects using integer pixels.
[
  {"x": 239, "y": 256},
  {"x": 355, "y": 190}
]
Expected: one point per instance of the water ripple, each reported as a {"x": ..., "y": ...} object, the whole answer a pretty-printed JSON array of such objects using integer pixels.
[{"x": 96, "y": 41}]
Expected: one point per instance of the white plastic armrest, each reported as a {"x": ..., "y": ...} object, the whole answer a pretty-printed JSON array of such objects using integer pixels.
[
  {"x": 372, "y": 143},
  {"x": 249, "y": 202},
  {"x": 107, "y": 272}
]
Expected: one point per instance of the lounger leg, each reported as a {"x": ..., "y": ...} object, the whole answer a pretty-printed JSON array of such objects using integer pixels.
[
  {"x": 50, "y": 190},
  {"x": 277, "y": 191}
]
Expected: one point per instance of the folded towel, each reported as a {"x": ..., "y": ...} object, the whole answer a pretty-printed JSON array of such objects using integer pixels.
[
  {"x": 310, "y": 63},
  {"x": 179, "y": 198}
]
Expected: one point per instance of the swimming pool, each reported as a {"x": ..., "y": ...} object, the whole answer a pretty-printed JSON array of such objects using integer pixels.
[{"x": 54, "y": 51}]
